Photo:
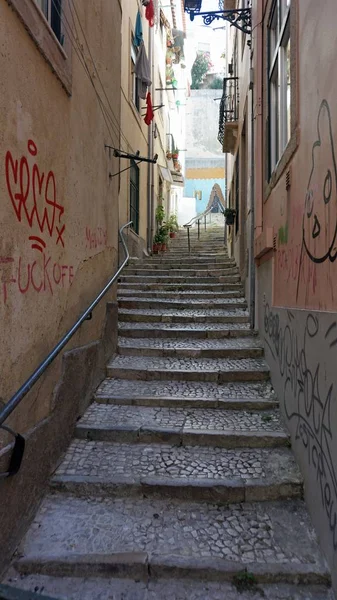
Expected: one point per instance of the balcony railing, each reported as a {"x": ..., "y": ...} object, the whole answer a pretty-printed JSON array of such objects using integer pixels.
[{"x": 229, "y": 114}]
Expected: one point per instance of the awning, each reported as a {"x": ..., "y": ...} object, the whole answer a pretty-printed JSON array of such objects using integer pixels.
[
  {"x": 165, "y": 173},
  {"x": 177, "y": 179}
]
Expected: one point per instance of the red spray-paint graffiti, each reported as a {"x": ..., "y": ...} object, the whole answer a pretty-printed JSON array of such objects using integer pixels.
[
  {"x": 40, "y": 276},
  {"x": 34, "y": 198},
  {"x": 96, "y": 238}
]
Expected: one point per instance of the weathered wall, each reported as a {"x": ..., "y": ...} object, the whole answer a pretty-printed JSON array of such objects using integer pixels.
[
  {"x": 297, "y": 283},
  {"x": 58, "y": 237}
]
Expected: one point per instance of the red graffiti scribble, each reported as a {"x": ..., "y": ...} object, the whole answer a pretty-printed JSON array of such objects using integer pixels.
[
  {"x": 40, "y": 276},
  {"x": 96, "y": 238},
  {"x": 33, "y": 196}
]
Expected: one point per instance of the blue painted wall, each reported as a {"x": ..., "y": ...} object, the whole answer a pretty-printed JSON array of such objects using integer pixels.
[{"x": 205, "y": 185}]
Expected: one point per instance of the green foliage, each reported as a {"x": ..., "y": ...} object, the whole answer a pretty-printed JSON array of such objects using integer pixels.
[
  {"x": 160, "y": 213},
  {"x": 266, "y": 418},
  {"x": 216, "y": 84},
  {"x": 244, "y": 580},
  {"x": 200, "y": 68},
  {"x": 172, "y": 223}
]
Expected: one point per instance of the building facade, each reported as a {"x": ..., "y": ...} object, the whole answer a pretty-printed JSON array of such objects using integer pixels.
[
  {"x": 286, "y": 80},
  {"x": 60, "y": 112}
]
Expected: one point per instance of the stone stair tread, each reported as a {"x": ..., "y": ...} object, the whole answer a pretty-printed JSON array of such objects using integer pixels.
[
  {"x": 216, "y": 394},
  {"x": 186, "y": 327},
  {"x": 180, "y": 294},
  {"x": 140, "y": 417},
  {"x": 202, "y": 313},
  {"x": 168, "y": 537},
  {"x": 191, "y": 343},
  {"x": 91, "y": 588},
  {"x": 239, "y": 302}
]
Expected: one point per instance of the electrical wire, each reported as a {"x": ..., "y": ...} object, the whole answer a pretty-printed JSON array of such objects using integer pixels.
[{"x": 96, "y": 70}]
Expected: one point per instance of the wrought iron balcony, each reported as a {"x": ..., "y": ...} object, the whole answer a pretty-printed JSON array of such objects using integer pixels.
[{"x": 229, "y": 114}]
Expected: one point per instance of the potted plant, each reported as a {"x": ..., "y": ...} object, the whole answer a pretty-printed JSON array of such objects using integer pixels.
[
  {"x": 175, "y": 154},
  {"x": 163, "y": 235},
  {"x": 160, "y": 213},
  {"x": 229, "y": 214},
  {"x": 172, "y": 224},
  {"x": 168, "y": 155},
  {"x": 156, "y": 244}
]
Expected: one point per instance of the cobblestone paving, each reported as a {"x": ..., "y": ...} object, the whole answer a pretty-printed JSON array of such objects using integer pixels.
[
  {"x": 205, "y": 313},
  {"x": 179, "y": 293},
  {"x": 191, "y": 344},
  {"x": 66, "y": 588},
  {"x": 248, "y": 533},
  {"x": 186, "y": 389},
  {"x": 211, "y": 419},
  {"x": 186, "y": 326},
  {"x": 188, "y": 364},
  {"x": 195, "y": 301},
  {"x": 104, "y": 459}
]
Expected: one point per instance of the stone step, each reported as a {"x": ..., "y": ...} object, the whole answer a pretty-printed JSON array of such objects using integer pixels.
[
  {"x": 178, "y": 279},
  {"x": 179, "y": 294},
  {"x": 187, "y": 394},
  {"x": 138, "y": 537},
  {"x": 181, "y": 426},
  {"x": 187, "y": 304},
  {"x": 187, "y": 472},
  {"x": 202, "y": 331},
  {"x": 213, "y": 272},
  {"x": 211, "y": 348},
  {"x": 214, "y": 317},
  {"x": 168, "y": 261},
  {"x": 172, "y": 265},
  {"x": 77, "y": 588},
  {"x": 188, "y": 369},
  {"x": 188, "y": 287}
]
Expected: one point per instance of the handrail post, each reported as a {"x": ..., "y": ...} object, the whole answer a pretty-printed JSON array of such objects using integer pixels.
[
  {"x": 188, "y": 239},
  {"x": 205, "y": 222},
  {"x": 198, "y": 229}
]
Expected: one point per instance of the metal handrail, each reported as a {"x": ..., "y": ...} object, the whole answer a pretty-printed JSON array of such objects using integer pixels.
[
  {"x": 197, "y": 219},
  {"x": 30, "y": 382}
]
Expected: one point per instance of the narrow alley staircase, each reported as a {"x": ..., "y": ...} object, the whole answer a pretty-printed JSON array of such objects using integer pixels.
[{"x": 180, "y": 483}]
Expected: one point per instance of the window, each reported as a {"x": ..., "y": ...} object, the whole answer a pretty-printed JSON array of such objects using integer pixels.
[
  {"x": 279, "y": 81},
  {"x": 52, "y": 12},
  {"x": 134, "y": 80},
  {"x": 134, "y": 196}
]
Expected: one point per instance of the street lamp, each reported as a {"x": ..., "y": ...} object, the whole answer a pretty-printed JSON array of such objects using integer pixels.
[{"x": 238, "y": 17}]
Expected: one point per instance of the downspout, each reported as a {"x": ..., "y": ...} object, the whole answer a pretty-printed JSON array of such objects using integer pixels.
[
  {"x": 252, "y": 204},
  {"x": 150, "y": 166}
]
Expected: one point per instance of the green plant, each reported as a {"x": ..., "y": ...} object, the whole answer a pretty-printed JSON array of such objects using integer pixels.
[
  {"x": 160, "y": 213},
  {"x": 244, "y": 580},
  {"x": 200, "y": 68},
  {"x": 266, "y": 418},
  {"x": 172, "y": 223},
  {"x": 229, "y": 212},
  {"x": 157, "y": 239}
]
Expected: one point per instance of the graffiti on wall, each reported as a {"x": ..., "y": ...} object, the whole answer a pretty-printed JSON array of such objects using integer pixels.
[
  {"x": 95, "y": 237},
  {"x": 307, "y": 242},
  {"x": 308, "y": 395},
  {"x": 33, "y": 195}
]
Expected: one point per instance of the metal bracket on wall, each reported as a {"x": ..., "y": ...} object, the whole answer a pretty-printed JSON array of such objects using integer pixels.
[{"x": 133, "y": 157}]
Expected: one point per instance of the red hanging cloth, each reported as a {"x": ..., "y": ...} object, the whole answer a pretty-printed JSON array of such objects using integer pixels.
[
  {"x": 149, "y": 13},
  {"x": 149, "y": 112}
]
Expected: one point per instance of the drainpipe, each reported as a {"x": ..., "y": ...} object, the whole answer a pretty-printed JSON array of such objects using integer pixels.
[
  {"x": 150, "y": 166},
  {"x": 252, "y": 204}
]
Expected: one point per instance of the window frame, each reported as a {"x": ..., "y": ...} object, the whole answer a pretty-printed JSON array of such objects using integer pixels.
[
  {"x": 134, "y": 194},
  {"x": 272, "y": 173},
  {"x": 57, "y": 56},
  {"x": 134, "y": 82},
  {"x": 278, "y": 40}
]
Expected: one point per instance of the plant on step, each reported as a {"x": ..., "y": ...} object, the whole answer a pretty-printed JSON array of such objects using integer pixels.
[
  {"x": 162, "y": 237},
  {"x": 175, "y": 153},
  {"x": 156, "y": 244},
  {"x": 172, "y": 224},
  {"x": 160, "y": 213},
  {"x": 229, "y": 214},
  {"x": 245, "y": 581}
]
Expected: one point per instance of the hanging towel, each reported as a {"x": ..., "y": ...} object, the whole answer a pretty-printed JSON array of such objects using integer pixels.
[
  {"x": 149, "y": 13},
  {"x": 138, "y": 31},
  {"x": 149, "y": 112},
  {"x": 143, "y": 72}
]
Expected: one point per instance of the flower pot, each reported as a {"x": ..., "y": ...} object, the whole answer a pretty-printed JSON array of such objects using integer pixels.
[
  {"x": 155, "y": 248},
  {"x": 168, "y": 155},
  {"x": 163, "y": 247},
  {"x": 230, "y": 220},
  {"x": 175, "y": 156},
  {"x": 172, "y": 234}
]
